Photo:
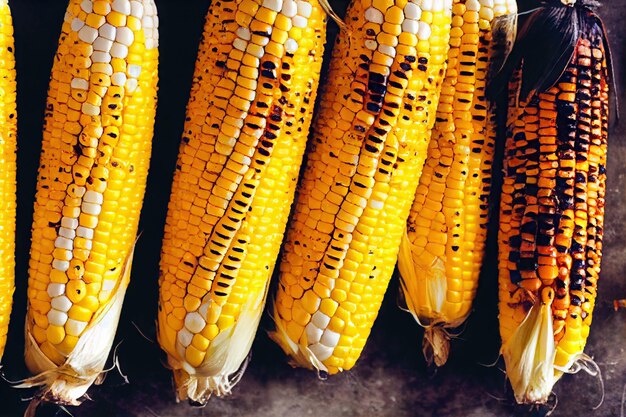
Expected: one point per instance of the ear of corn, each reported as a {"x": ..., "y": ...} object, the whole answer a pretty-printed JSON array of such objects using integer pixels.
[
  {"x": 94, "y": 163},
  {"x": 442, "y": 250},
  {"x": 247, "y": 124},
  {"x": 8, "y": 131},
  {"x": 369, "y": 144},
  {"x": 552, "y": 209}
]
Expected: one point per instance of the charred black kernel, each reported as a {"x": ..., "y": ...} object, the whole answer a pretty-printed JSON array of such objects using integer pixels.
[
  {"x": 373, "y": 107},
  {"x": 516, "y": 277},
  {"x": 529, "y": 227},
  {"x": 528, "y": 264},
  {"x": 544, "y": 240},
  {"x": 400, "y": 75},
  {"x": 377, "y": 98},
  {"x": 376, "y": 88},
  {"x": 376, "y": 77}
]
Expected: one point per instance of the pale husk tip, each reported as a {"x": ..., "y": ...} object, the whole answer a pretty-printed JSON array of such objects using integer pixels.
[{"x": 68, "y": 383}]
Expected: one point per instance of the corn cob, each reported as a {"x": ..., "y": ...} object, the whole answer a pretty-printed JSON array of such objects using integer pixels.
[
  {"x": 247, "y": 124},
  {"x": 552, "y": 209},
  {"x": 441, "y": 253},
  {"x": 8, "y": 131},
  {"x": 92, "y": 175},
  {"x": 369, "y": 144}
]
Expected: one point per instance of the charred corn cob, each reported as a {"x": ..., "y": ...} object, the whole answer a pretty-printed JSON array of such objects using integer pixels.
[
  {"x": 552, "y": 209},
  {"x": 92, "y": 174},
  {"x": 442, "y": 250},
  {"x": 8, "y": 131},
  {"x": 247, "y": 124},
  {"x": 369, "y": 144}
]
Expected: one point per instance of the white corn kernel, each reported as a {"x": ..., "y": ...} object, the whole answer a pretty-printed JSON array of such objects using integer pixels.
[
  {"x": 108, "y": 31},
  {"x": 290, "y": 8},
  {"x": 305, "y": 9},
  {"x": 119, "y": 79},
  {"x": 63, "y": 243},
  {"x": 93, "y": 197},
  {"x": 69, "y": 222},
  {"x": 121, "y": 6},
  {"x": 185, "y": 337},
  {"x": 194, "y": 322},
  {"x": 299, "y": 22},
  {"x": 291, "y": 46},
  {"x": 80, "y": 84},
  {"x": 61, "y": 303},
  {"x": 84, "y": 232},
  {"x": 134, "y": 70},
  {"x": 374, "y": 15},
  {"x": 55, "y": 289},
  {"x": 313, "y": 333},
  {"x": 330, "y": 338},
  {"x": 77, "y": 24},
  {"x": 274, "y": 5},
  {"x": 60, "y": 265},
  {"x": 74, "y": 327},
  {"x": 119, "y": 51},
  {"x": 88, "y": 34},
  {"x": 136, "y": 9},
  {"x": 243, "y": 33},
  {"x": 125, "y": 36},
  {"x": 87, "y": 6},
  {"x": 67, "y": 233},
  {"x": 412, "y": 11},
  {"x": 99, "y": 56},
  {"x": 320, "y": 351},
  {"x": 57, "y": 318}
]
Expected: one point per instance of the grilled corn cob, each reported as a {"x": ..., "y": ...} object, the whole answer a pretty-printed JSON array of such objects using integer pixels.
[
  {"x": 369, "y": 145},
  {"x": 92, "y": 174},
  {"x": 8, "y": 131},
  {"x": 552, "y": 209},
  {"x": 441, "y": 253},
  {"x": 247, "y": 124}
]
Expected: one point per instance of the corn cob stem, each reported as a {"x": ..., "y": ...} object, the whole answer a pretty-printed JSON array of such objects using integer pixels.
[
  {"x": 552, "y": 208},
  {"x": 247, "y": 124},
  {"x": 94, "y": 163},
  {"x": 8, "y": 145},
  {"x": 369, "y": 144}
]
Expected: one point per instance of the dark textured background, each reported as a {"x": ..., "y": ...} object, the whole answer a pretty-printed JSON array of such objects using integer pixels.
[{"x": 391, "y": 378}]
